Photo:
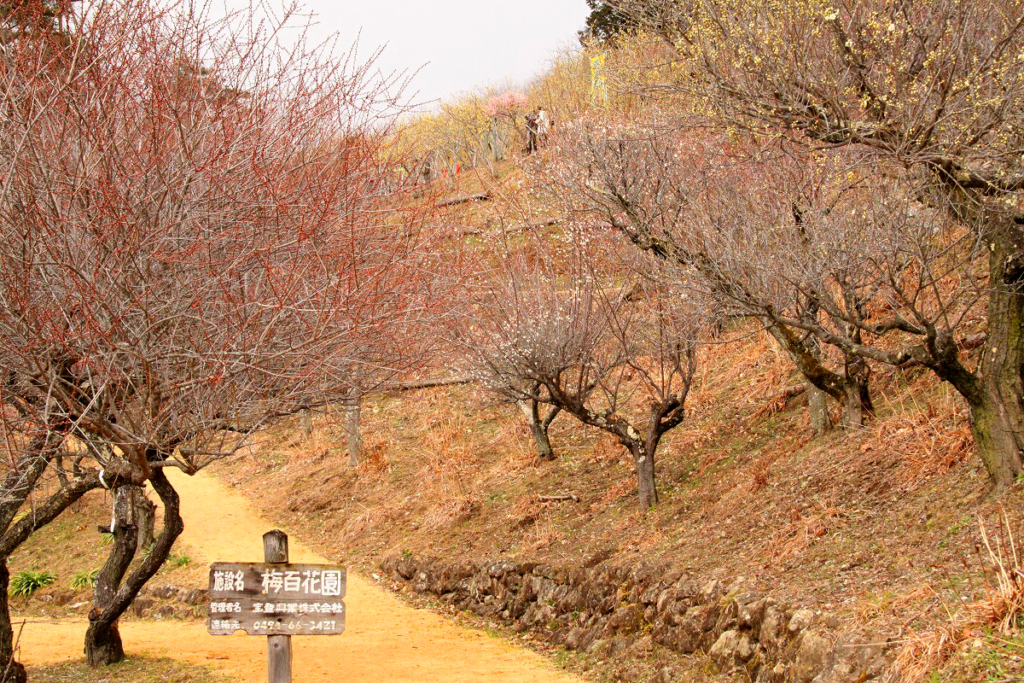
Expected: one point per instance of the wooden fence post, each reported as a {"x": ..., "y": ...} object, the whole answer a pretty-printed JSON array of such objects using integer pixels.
[{"x": 279, "y": 648}]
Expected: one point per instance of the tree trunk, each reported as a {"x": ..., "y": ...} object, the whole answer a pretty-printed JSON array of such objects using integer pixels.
[
  {"x": 145, "y": 517},
  {"x": 995, "y": 391},
  {"x": 997, "y": 415},
  {"x": 542, "y": 442},
  {"x": 103, "y": 644},
  {"x": 16, "y": 488},
  {"x": 856, "y": 397},
  {"x": 997, "y": 445},
  {"x": 353, "y": 433},
  {"x": 306, "y": 423},
  {"x": 103, "y": 640},
  {"x": 17, "y": 485},
  {"x": 539, "y": 427},
  {"x": 817, "y": 406},
  {"x": 817, "y": 400},
  {"x": 10, "y": 670},
  {"x": 646, "y": 486},
  {"x": 853, "y": 410}
]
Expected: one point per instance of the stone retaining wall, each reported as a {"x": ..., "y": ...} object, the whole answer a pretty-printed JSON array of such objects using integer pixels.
[
  {"x": 171, "y": 601},
  {"x": 614, "y": 612}
]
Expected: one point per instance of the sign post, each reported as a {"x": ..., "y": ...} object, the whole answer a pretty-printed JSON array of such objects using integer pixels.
[
  {"x": 278, "y": 600},
  {"x": 279, "y": 648}
]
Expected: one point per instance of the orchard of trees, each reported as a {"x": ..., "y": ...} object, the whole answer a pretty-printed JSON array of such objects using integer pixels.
[
  {"x": 205, "y": 232},
  {"x": 847, "y": 175},
  {"x": 895, "y": 199}
]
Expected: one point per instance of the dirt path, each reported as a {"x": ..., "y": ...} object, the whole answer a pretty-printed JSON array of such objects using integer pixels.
[{"x": 384, "y": 640}]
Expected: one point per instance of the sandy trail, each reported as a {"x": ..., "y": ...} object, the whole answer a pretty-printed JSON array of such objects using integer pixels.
[{"x": 384, "y": 639}]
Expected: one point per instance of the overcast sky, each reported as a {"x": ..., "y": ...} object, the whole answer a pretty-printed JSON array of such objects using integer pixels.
[{"x": 460, "y": 44}]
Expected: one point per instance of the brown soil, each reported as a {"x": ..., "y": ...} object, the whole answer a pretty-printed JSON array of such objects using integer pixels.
[{"x": 385, "y": 640}]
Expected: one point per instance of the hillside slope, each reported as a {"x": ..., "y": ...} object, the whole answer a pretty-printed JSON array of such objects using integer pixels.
[{"x": 876, "y": 530}]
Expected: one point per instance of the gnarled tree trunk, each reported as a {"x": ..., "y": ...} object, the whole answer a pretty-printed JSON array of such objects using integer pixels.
[
  {"x": 16, "y": 488},
  {"x": 102, "y": 641},
  {"x": 103, "y": 644},
  {"x": 995, "y": 390},
  {"x": 849, "y": 388},
  {"x": 646, "y": 486},
  {"x": 539, "y": 426},
  {"x": 997, "y": 411},
  {"x": 817, "y": 402},
  {"x": 12, "y": 671},
  {"x": 856, "y": 397},
  {"x": 145, "y": 517}
]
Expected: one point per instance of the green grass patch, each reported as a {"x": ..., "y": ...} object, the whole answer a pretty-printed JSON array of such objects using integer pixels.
[
  {"x": 84, "y": 579},
  {"x": 27, "y": 582},
  {"x": 989, "y": 658}
]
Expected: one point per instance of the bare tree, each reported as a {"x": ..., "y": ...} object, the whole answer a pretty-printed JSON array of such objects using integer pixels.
[
  {"x": 499, "y": 288},
  {"x": 937, "y": 87},
  {"x": 622, "y": 366},
  {"x": 836, "y": 255},
  {"x": 675, "y": 195},
  {"x": 198, "y": 233}
]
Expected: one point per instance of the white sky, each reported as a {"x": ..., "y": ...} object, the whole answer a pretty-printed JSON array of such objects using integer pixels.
[{"x": 460, "y": 44}]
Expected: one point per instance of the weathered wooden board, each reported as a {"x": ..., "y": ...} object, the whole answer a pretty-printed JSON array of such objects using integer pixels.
[{"x": 276, "y": 599}]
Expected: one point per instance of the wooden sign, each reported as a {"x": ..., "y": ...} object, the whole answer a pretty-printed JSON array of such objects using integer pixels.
[{"x": 276, "y": 599}]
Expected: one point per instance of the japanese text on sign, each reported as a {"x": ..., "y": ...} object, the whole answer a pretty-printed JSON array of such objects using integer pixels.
[
  {"x": 294, "y": 599},
  {"x": 310, "y": 582}
]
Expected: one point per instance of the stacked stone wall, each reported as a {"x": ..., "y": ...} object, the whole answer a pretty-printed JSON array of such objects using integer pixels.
[{"x": 625, "y": 611}]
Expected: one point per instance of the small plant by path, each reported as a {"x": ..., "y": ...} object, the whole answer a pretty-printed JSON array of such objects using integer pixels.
[
  {"x": 179, "y": 560},
  {"x": 25, "y": 583},
  {"x": 84, "y": 579}
]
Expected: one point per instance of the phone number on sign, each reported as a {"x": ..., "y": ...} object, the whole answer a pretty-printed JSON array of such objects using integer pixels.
[{"x": 311, "y": 625}]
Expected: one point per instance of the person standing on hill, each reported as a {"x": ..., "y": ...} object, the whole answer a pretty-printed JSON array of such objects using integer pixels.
[
  {"x": 532, "y": 129},
  {"x": 543, "y": 125}
]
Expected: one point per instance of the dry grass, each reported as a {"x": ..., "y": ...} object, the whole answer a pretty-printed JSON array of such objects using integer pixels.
[
  {"x": 449, "y": 457},
  {"x": 617, "y": 491},
  {"x": 542, "y": 534},
  {"x": 1003, "y": 604},
  {"x": 802, "y": 531},
  {"x": 445, "y": 512},
  {"x": 136, "y": 669},
  {"x": 891, "y": 606},
  {"x": 999, "y": 607},
  {"x": 606, "y": 449},
  {"x": 513, "y": 437},
  {"x": 359, "y": 524},
  {"x": 932, "y": 436},
  {"x": 760, "y": 474},
  {"x": 327, "y": 439},
  {"x": 375, "y": 462},
  {"x": 926, "y": 652}
]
